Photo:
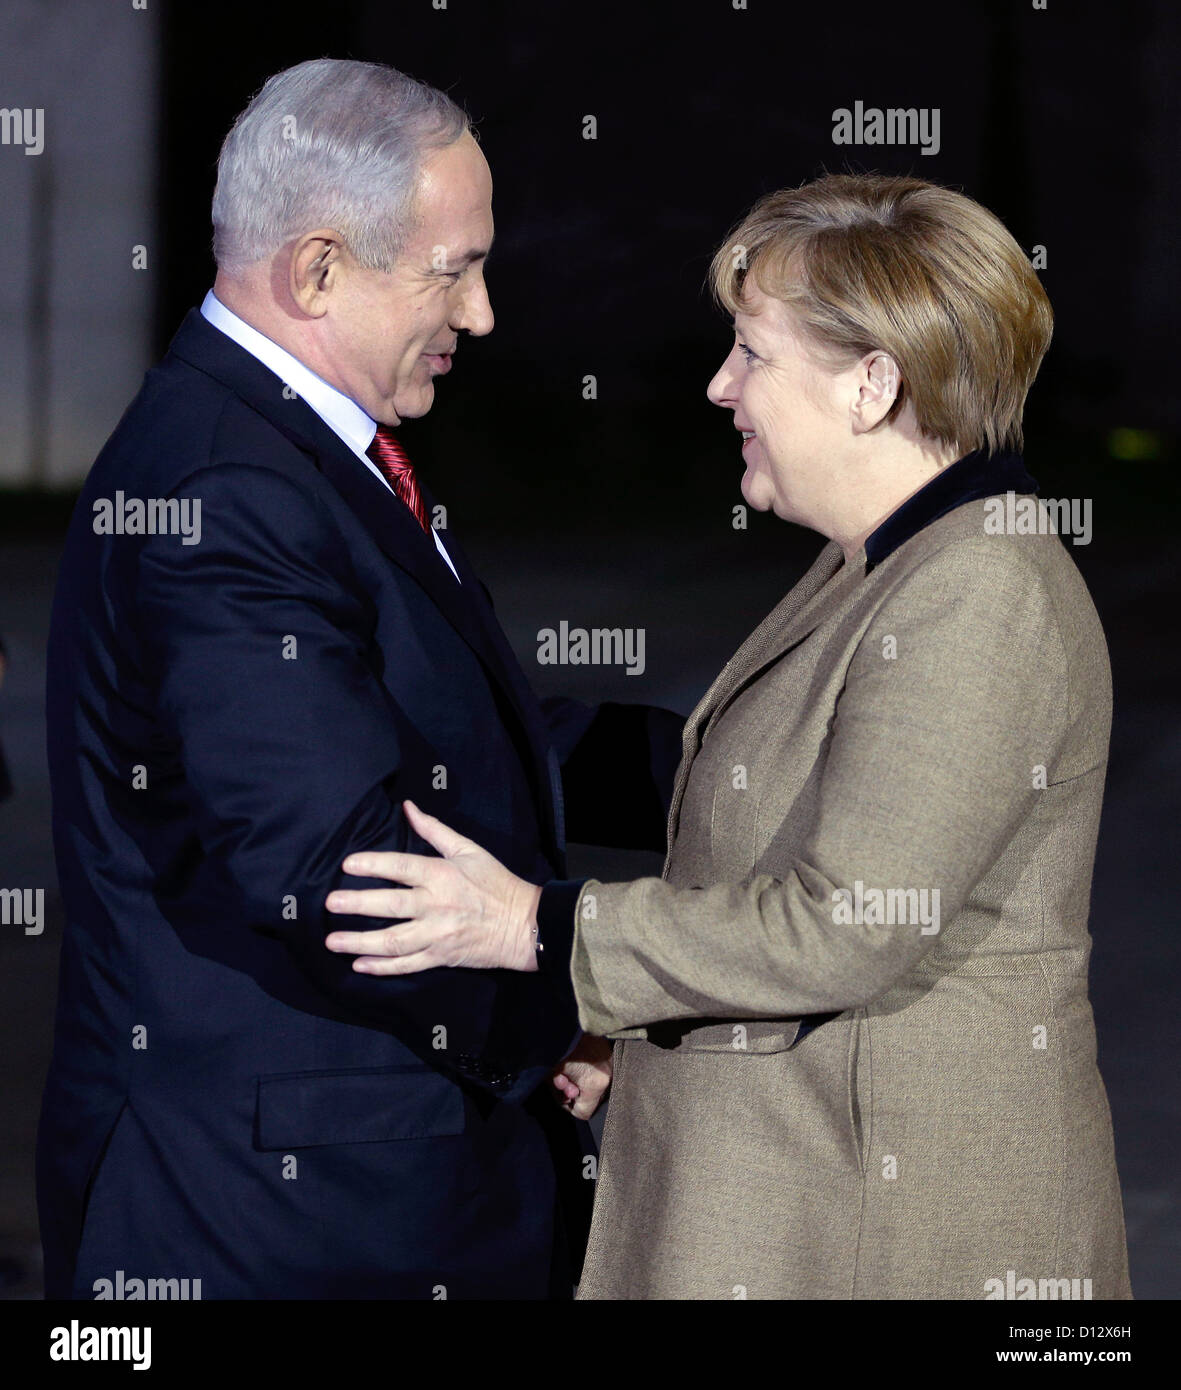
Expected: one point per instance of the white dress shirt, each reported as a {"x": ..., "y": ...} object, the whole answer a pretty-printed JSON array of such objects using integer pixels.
[{"x": 344, "y": 417}]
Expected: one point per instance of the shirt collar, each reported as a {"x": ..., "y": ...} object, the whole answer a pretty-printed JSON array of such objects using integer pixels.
[
  {"x": 342, "y": 415},
  {"x": 978, "y": 474}
]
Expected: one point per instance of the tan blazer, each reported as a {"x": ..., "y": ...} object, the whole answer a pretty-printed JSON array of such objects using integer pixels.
[{"x": 938, "y": 724}]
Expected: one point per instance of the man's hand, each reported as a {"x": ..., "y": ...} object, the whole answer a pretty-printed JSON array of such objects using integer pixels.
[
  {"x": 584, "y": 1077},
  {"x": 464, "y": 909}
]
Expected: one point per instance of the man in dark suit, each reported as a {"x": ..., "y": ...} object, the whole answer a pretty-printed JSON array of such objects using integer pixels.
[{"x": 260, "y": 646}]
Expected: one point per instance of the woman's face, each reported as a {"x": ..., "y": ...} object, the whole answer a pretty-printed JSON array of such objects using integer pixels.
[{"x": 789, "y": 404}]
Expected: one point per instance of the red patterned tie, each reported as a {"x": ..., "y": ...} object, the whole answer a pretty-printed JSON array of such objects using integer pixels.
[{"x": 386, "y": 451}]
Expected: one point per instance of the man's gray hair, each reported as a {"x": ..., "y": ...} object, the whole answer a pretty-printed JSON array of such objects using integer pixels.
[{"x": 328, "y": 143}]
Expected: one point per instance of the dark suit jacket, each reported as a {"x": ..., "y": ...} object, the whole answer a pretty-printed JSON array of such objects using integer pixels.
[
  {"x": 5, "y": 781},
  {"x": 228, "y": 1100}
]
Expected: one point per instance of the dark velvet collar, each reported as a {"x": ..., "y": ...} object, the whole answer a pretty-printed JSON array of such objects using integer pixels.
[{"x": 978, "y": 474}]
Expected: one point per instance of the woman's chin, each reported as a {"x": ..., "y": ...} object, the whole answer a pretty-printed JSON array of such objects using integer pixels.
[{"x": 754, "y": 494}]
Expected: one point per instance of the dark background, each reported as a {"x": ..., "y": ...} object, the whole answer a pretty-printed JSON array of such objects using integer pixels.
[
  {"x": 617, "y": 511},
  {"x": 1051, "y": 119}
]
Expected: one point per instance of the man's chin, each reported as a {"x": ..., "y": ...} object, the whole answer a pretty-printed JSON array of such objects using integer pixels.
[{"x": 416, "y": 403}]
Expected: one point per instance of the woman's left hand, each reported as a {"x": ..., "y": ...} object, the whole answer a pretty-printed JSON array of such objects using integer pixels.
[{"x": 463, "y": 909}]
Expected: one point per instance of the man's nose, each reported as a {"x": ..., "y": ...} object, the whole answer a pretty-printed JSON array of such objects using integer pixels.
[{"x": 476, "y": 311}]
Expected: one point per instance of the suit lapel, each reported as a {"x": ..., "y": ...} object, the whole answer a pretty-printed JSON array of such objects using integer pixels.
[
  {"x": 501, "y": 659},
  {"x": 495, "y": 646},
  {"x": 391, "y": 525}
]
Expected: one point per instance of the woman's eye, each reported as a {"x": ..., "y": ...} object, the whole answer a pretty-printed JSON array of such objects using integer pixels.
[{"x": 747, "y": 353}]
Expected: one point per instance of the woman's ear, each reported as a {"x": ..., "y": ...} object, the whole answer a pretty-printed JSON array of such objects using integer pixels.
[{"x": 878, "y": 382}]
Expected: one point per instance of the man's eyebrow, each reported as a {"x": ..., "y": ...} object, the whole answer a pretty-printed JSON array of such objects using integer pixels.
[{"x": 476, "y": 253}]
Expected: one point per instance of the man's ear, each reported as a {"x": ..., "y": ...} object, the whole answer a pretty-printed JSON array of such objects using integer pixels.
[
  {"x": 878, "y": 381},
  {"x": 315, "y": 269}
]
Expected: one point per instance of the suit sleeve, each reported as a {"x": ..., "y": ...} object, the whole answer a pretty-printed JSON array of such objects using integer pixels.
[
  {"x": 618, "y": 763},
  {"x": 928, "y": 772},
  {"x": 259, "y": 640}
]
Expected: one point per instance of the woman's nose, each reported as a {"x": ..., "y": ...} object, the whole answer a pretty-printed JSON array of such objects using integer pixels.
[{"x": 718, "y": 391}]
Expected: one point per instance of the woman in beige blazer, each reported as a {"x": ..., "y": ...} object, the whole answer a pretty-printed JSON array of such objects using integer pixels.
[{"x": 854, "y": 1054}]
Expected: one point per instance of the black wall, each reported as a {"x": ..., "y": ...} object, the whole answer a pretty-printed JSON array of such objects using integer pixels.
[{"x": 1053, "y": 118}]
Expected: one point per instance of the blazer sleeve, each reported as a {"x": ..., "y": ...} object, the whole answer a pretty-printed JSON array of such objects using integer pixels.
[
  {"x": 928, "y": 773},
  {"x": 258, "y": 640}
]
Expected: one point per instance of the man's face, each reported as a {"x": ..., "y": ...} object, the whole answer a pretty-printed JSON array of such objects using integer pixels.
[{"x": 390, "y": 333}]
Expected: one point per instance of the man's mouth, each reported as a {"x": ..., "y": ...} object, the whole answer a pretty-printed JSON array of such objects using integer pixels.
[{"x": 440, "y": 362}]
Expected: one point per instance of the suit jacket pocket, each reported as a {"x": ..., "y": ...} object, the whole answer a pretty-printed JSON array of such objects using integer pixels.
[{"x": 359, "y": 1106}]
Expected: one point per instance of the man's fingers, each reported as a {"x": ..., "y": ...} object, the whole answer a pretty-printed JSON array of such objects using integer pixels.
[{"x": 587, "y": 1074}]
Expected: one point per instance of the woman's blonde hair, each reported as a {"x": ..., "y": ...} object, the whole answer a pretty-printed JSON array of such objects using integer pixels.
[{"x": 869, "y": 261}]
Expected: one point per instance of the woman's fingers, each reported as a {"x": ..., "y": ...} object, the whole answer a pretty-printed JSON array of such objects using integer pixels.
[
  {"x": 466, "y": 909},
  {"x": 414, "y": 869},
  {"x": 376, "y": 902},
  {"x": 439, "y": 836},
  {"x": 397, "y": 939},
  {"x": 397, "y": 965}
]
